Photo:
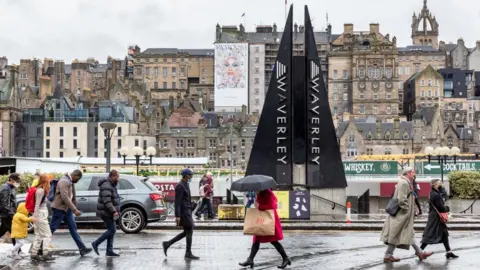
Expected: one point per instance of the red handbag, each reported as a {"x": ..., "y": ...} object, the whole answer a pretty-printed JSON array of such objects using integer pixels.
[{"x": 443, "y": 216}]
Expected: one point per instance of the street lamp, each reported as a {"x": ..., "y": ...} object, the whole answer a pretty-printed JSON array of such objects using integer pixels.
[
  {"x": 108, "y": 129},
  {"x": 442, "y": 155},
  {"x": 137, "y": 152}
]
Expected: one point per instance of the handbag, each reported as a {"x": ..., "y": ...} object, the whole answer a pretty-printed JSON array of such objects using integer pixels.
[
  {"x": 443, "y": 216},
  {"x": 259, "y": 223},
  {"x": 392, "y": 207}
]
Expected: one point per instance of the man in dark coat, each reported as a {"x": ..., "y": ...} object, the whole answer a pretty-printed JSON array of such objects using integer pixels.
[
  {"x": 416, "y": 194},
  {"x": 108, "y": 208},
  {"x": 8, "y": 203},
  {"x": 183, "y": 214}
]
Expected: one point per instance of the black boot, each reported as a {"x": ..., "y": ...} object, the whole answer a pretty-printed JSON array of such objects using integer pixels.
[
  {"x": 165, "y": 246},
  {"x": 248, "y": 262},
  {"x": 286, "y": 261},
  {"x": 450, "y": 255},
  {"x": 189, "y": 255}
]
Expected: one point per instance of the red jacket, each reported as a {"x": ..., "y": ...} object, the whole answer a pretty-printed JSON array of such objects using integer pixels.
[
  {"x": 208, "y": 188},
  {"x": 267, "y": 201}
]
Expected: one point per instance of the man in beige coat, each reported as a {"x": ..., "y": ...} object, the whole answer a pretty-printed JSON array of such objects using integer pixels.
[{"x": 398, "y": 230}]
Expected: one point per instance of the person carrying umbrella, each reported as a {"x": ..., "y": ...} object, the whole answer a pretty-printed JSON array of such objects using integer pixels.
[{"x": 265, "y": 200}]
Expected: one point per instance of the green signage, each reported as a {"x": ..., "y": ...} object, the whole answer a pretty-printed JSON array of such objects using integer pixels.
[
  {"x": 370, "y": 167},
  {"x": 434, "y": 167}
]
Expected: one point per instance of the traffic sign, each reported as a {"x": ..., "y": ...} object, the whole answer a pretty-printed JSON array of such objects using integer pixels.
[
  {"x": 370, "y": 167},
  {"x": 434, "y": 167}
]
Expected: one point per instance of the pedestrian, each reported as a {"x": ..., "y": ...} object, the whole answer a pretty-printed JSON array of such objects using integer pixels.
[
  {"x": 64, "y": 208},
  {"x": 108, "y": 208},
  {"x": 183, "y": 214},
  {"x": 8, "y": 204},
  {"x": 43, "y": 234},
  {"x": 206, "y": 204},
  {"x": 20, "y": 230},
  {"x": 398, "y": 230},
  {"x": 266, "y": 200},
  {"x": 436, "y": 231},
  {"x": 416, "y": 190},
  {"x": 250, "y": 198},
  {"x": 201, "y": 194},
  {"x": 35, "y": 179}
]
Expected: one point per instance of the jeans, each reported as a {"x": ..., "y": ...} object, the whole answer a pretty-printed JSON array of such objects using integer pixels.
[
  {"x": 58, "y": 216},
  {"x": 109, "y": 235},
  {"x": 206, "y": 203},
  {"x": 188, "y": 233}
]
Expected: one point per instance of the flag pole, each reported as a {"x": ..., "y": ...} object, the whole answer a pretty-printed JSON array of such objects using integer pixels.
[{"x": 285, "y": 10}]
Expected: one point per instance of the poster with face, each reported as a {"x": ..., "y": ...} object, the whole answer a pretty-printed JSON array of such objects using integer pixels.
[{"x": 231, "y": 64}]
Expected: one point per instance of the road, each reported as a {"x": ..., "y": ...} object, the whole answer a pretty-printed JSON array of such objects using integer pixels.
[{"x": 223, "y": 250}]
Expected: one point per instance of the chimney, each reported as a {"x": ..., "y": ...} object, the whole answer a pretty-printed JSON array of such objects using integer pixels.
[
  {"x": 478, "y": 44},
  {"x": 302, "y": 28},
  {"x": 441, "y": 46},
  {"x": 460, "y": 41},
  {"x": 348, "y": 28},
  {"x": 375, "y": 28},
  {"x": 295, "y": 28}
]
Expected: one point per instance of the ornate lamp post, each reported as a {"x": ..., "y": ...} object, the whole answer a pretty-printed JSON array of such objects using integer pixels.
[
  {"x": 137, "y": 152},
  {"x": 108, "y": 129},
  {"x": 442, "y": 155}
]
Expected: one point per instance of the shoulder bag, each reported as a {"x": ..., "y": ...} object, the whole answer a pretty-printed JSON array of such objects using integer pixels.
[{"x": 443, "y": 216}]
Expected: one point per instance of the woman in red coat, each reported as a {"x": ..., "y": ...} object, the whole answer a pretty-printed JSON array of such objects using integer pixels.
[{"x": 266, "y": 200}]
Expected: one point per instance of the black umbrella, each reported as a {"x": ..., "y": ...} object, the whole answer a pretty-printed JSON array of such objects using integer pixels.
[{"x": 254, "y": 183}]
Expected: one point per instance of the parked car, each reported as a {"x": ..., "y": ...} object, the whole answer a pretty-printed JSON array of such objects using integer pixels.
[{"x": 140, "y": 202}]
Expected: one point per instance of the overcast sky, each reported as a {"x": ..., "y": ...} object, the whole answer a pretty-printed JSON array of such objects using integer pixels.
[{"x": 65, "y": 30}]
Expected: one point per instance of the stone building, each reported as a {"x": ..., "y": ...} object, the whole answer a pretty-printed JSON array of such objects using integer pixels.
[
  {"x": 10, "y": 112},
  {"x": 425, "y": 28},
  {"x": 3, "y": 67},
  {"x": 474, "y": 57},
  {"x": 423, "y": 89},
  {"x": 362, "y": 74},
  {"x": 457, "y": 54}
]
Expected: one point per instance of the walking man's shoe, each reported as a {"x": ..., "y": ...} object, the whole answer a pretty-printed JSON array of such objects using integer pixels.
[
  {"x": 189, "y": 255},
  {"x": 95, "y": 248},
  {"x": 112, "y": 254},
  {"x": 165, "y": 247},
  {"x": 48, "y": 258},
  {"x": 85, "y": 251},
  {"x": 422, "y": 256},
  {"x": 390, "y": 259}
]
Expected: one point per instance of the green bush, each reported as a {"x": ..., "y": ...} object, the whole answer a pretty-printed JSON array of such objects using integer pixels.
[{"x": 465, "y": 184}]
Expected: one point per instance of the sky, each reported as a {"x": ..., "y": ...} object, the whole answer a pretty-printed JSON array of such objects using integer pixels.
[{"x": 65, "y": 30}]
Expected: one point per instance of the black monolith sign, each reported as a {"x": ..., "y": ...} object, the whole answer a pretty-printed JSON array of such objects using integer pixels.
[{"x": 296, "y": 125}]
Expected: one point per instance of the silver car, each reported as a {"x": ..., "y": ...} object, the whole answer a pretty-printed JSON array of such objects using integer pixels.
[{"x": 140, "y": 202}]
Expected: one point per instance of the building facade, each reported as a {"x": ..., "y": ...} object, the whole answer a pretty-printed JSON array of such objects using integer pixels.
[
  {"x": 257, "y": 85},
  {"x": 362, "y": 74},
  {"x": 425, "y": 28}
]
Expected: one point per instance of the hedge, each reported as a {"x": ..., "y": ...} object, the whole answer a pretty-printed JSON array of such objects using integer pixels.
[
  {"x": 27, "y": 179},
  {"x": 465, "y": 184}
]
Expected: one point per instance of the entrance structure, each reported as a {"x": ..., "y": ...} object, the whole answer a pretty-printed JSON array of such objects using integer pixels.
[{"x": 296, "y": 142}]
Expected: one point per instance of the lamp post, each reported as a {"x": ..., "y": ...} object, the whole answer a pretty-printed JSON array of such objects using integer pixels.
[
  {"x": 230, "y": 158},
  {"x": 108, "y": 129},
  {"x": 442, "y": 155},
  {"x": 137, "y": 152}
]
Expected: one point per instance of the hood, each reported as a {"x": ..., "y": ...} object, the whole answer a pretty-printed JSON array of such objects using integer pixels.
[
  {"x": 102, "y": 181},
  {"x": 22, "y": 209}
]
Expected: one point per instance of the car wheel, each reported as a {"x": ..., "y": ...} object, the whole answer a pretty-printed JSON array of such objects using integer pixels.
[{"x": 132, "y": 220}]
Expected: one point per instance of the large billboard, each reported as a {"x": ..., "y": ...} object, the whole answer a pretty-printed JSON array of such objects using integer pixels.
[{"x": 231, "y": 75}]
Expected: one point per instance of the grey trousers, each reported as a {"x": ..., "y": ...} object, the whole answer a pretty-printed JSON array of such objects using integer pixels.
[{"x": 391, "y": 249}]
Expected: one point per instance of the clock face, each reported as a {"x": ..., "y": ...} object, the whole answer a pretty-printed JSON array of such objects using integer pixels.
[
  {"x": 375, "y": 84},
  {"x": 389, "y": 85},
  {"x": 362, "y": 85}
]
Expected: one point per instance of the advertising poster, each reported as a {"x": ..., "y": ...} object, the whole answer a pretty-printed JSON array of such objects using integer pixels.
[
  {"x": 168, "y": 189},
  {"x": 231, "y": 74},
  {"x": 299, "y": 204},
  {"x": 283, "y": 198}
]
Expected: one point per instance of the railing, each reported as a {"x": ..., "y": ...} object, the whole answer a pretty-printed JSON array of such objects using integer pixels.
[
  {"x": 469, "y": 208},
  {"x": 334, "y": 204}
]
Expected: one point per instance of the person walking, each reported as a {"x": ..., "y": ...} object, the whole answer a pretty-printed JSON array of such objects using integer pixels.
[
  {"x": 108, "y": 208},
  {"x": 250, "y": 198},
  {"x": 201, "y": 194},
  {"x": 206, "y": 204},
  {"x": 20, "y": 230},
  {"x": 398, "y": 230},
  {"x": 8, "y": 205},
  {"x": 416, "y": 193},
  {"x": 36, "y": 179},
  {"x": 436, "y": 231},
  {"x": 43, "y": 234},
  {"x": 266, "y": 200},
  {"x": 183, "y": 214},
  {"x": 64, "y": 208}
]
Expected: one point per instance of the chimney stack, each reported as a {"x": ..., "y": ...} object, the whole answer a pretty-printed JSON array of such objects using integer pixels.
[
  {"x": 375, "y": 28},
  {"x": 348, "y": 28}
]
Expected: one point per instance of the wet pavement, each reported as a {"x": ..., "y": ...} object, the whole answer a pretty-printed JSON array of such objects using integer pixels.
[{"x": 222, "y": 250}]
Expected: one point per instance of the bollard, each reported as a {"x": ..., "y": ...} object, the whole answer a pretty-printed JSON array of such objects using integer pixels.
[{"x": 349, "y": 206}]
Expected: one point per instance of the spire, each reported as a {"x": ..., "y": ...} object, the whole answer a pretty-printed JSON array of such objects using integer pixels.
[{"x": 425, "y": 4}]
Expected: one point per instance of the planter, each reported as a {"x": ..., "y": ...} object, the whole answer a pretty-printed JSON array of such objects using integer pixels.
[{"x": 459, "y": 205}]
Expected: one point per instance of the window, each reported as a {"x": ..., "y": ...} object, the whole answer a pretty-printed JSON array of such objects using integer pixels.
[
  {"x": 429, "y": 93},
  {"x": 174, "y": 71},
  {"x": 180, "y": 155},
  {"x": 84, "y": 183},
  {"x": 400, "y": 70},
  {"x": 39, "y": 154},
  {"x": 257, "y": 59},
  {"x": 144, "y": 144},
  {"x": 234, "y": 148},
  {"x": 190, "y": 155},
  {"x": 374, "y": 96},
  {"x": 400, "y": 85},
  {"x": 388, "y": 151},
  {"x": 429, "y": 82},
  {"x": 257, "y": 49},
  {"x": 47, "y": 131},
  {"x": 389, "y": 110},
  {"x": 405, "y": 151},
  {"x": 182, "y": 84},
  {"x": 335, "y": 110},
  {"x": 165, "y": 85},
  {"x": 79, "y": 154},
  {"x": 369, "y": 151},
  {"x": 407, "y": 70},
  {"x": 335, "y": 74},
  {"x": 165, "y": 143},
  {"x": 124, "y": 184},
  {"x": 243, "y": 156},
  {"x": 243, "y": 143},
  {"x": 257, "y": 101},
  {"x": 345, "y": 74},
  {"x": 47, "y": 154},
  {"x": 137, "y": 143},
  {"x": 32, "y": 144},
  {"x": 422, "y": 83},
  {"x": 61, "y": 144},
  {"x": 257, "y": 70},
  {"x": 351, "y": 138},
  {"x": 362, "y": 109},
  {"x": 190, "y": 143},
  {"x": 388, "y": 73},
  {"x": 180, "y": 144},
  {"x": 334, "y": 96},
  {"x": 119, "y": 143},
  {"x": 47, "y": 143},
  {"x": 375, "y": 110},
  {"x": 155, "y": 72},
  {"x": 165, "y": 72},
  {"x": 174, "y": 85},
  {"x": 75, "y": 144},
  {"x": 212, "y": 143},
  {"x": 345, "y": 96},
  {"x": 61, "y": 131},
  {"x": 422, "y": 93},
  {"x": 436, "y": 92},
  {"x": 61, "y": 154},
  {"x": 361, "y": 72},
  {"x": 182, "y": 71},
  {"x": 345, "y": 86},
  {"x": 39, "y": 131},
  {"x": 388, "y": 96},
  {"x": 119, "y": 131},
  {"x": 257, "y": 80},
  {"x": 95, "y": 131},
  {"x": 75, "y": 132}
]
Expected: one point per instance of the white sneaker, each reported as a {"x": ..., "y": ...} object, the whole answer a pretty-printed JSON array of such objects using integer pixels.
[
  {"x": 23, "y": 254},
  {"x": 17, "y": 257}
]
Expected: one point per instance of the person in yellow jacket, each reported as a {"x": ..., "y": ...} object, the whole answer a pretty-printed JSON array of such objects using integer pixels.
[
  {"x": 35, "y": 180},
  {"x": 20, "y": 229}
]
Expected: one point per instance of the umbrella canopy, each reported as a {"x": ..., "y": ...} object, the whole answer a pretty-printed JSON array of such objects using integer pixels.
[{"x": 254, "y": 183}]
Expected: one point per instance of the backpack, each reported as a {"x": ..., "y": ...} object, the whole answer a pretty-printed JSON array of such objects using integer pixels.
[
  {"x": 30, "y": 199},
  {"x": 202, "y": 191},
  {"x": 53, "y": 190}
]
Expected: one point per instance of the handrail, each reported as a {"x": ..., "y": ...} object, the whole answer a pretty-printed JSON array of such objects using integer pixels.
[
  {"x": 470, "y": 207},
  {"x": 334, "y": 204}
]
